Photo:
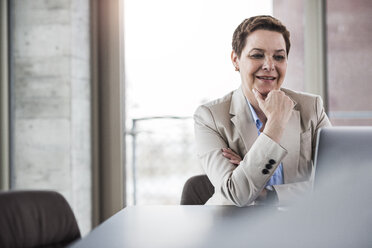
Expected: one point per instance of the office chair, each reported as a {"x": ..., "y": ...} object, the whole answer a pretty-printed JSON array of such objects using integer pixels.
[
  {"x": 197, "y": 190},
  {"x": 36, "y": 219}
]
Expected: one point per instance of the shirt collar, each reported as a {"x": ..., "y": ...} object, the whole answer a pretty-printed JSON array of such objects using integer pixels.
[{"x": 254, "y": 115}]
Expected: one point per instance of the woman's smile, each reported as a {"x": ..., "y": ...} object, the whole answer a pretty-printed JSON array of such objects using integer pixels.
[{"x": 266, "y": 79}]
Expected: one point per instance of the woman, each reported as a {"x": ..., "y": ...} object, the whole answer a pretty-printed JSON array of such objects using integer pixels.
[{"x": 257, "y": 143}]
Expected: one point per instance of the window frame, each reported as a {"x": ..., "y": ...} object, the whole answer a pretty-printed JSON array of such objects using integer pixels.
[{"x": 5, "y": 100}]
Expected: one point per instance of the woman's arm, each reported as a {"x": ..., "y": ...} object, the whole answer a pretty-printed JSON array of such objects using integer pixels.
[
  {"x": 234, "y": 158},
  {"x": 291, "y": 192},
  {"x": 243, "y": 184}
]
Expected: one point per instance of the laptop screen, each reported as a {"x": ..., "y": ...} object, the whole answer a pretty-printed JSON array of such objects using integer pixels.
[{"x": 343, "y": 156}]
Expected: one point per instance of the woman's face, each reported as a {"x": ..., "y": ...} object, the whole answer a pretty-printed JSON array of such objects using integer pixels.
[{"x": 263, "y": 62}]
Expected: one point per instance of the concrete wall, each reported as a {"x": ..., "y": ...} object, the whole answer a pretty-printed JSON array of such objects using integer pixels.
[{"x": 51, "y": 96}]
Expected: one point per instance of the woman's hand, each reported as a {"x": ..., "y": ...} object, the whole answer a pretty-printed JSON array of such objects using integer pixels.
[
  {"x": 262, "y": 196},
  {"x": 231, "y": 155},
  {"x": 277, "y": 108},
  {"x": 236, "y": 159}
]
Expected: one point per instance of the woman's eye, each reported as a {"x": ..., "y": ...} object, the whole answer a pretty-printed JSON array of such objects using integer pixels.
[
  {"x": 279, "y": 57},
  {"x": 257, "y": 56}
]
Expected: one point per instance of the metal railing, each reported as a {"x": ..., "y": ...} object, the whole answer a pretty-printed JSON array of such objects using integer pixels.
[{"x": 134, "y": 133}]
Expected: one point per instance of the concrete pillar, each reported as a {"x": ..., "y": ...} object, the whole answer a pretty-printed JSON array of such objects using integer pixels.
[{"x": 51, "y": 96}]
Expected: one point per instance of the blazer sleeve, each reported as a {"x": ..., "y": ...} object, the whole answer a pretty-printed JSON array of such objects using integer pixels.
[
  {"x": 239, "y": 184},
  {"x": 288, "y": 193}
]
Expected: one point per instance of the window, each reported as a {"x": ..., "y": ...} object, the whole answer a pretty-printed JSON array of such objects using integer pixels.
[
  {"x": 177, "y": 56},
  {"x": 349, "y": 62}
]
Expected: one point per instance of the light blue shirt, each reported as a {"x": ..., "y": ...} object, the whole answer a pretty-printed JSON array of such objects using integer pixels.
[{"x": 277, "y": 177}]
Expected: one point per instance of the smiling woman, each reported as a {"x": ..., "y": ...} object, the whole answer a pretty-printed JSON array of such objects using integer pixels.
[{"x": 250, "y": 142}]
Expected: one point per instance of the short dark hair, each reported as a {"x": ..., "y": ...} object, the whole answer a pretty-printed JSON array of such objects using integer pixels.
[{"x": 254, "y": 23}]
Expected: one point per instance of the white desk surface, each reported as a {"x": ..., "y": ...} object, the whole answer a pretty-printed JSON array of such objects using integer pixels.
[
  {"x": 173, "y": 226},
  {"x": 338, "y": 223}
]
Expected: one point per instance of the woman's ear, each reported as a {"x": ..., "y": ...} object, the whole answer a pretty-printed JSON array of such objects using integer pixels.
[{"x": 235, "y": 60}]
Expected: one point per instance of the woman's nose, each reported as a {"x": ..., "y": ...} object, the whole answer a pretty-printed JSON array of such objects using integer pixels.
[{"x": 268, "y": 65}]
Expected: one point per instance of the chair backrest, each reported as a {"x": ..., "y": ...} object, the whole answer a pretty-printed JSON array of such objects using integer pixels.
[
  {"x": 36, "y": 219},
  {"x": 197, "y": 190}
]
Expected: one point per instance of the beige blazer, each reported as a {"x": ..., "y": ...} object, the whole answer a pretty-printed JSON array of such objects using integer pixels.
[{"x": 228, "y": 123}]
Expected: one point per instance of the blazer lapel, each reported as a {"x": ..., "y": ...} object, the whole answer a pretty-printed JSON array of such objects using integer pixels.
[
  {"x": 291, "y": 142},
  {"x": 243, "y": 120}
]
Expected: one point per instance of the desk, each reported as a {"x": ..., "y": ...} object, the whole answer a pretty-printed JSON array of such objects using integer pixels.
[
  {"x": 322, "y": 222},
  {"x": 174, "y": 226}
]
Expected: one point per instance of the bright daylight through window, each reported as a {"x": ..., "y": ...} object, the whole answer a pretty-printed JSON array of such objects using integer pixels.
[{"x": 177, "y": 56}]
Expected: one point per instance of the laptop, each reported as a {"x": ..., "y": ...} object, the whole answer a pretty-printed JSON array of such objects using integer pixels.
[{"x": 343, "y": 156}]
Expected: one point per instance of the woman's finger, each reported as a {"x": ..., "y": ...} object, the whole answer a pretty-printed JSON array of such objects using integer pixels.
[
  {"x": 230, "y": 153},
  {"x": 228, "y": 150},
  {"x": 258, "y": 97},
  {"x": 236, "y": 162},
  {"x": 232, "y": 156}
]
